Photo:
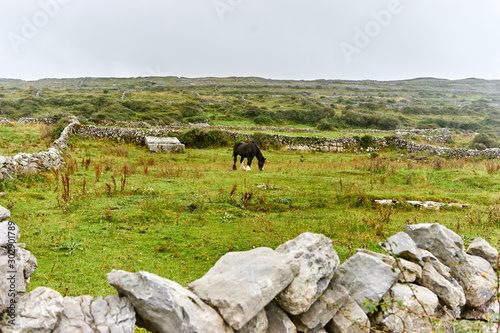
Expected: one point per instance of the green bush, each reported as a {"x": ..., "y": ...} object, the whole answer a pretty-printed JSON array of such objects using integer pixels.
[
  {"x": 482, "y": 141},
  {"x": 263, "y": 120},
  {"x": 199, "y": 138},
  {"x": 265, "y": 141},
  {"x": 367, "y": 141}
]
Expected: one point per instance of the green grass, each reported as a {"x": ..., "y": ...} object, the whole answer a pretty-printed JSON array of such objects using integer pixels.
[
  {"x": 176, "y": 218},
  {"x": 24, "y": 138}
]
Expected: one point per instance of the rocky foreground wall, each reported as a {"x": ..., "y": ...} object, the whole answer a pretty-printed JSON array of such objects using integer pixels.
[{"x": 427, "y": 283}]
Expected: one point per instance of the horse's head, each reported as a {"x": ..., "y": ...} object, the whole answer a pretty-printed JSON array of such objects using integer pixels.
[{"x": 261, "y": 163}]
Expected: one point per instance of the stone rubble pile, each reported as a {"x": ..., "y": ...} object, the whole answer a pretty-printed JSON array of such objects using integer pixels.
[
  {"x": 424, "y": 204},
  {"x": 427, "y": 282}
]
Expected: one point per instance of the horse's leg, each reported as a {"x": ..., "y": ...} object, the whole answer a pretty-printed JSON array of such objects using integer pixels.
[
  {"x": 249, "y": 162},
  {"x": 234, "y": 163},
  {"x": 242, "y": 166}
]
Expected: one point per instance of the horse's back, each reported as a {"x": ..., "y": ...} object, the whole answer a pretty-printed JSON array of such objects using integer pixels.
[{"x": 237, "y": 146}]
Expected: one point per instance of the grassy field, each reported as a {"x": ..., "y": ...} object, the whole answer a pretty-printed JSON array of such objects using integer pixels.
[{"x": 119, "y": 206}]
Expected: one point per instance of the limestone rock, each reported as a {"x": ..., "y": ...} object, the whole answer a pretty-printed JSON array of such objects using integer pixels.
[
  {"x": 404, "y": 313},
  {"x": 481, "y": 248},
  {"x": 278, "y": 320},
  {"x": 385, "y": 258},
  {"x": 487, "y": 312},
  {"x": 448, "y": 291},
  {"x": 318, "y": 261},
  {"x": 410, "y": 270},
  {"x": 438, "y": 265},
  {"x": 84, "y": 314},
  {"x": 241, "y": 284},
  {"x": 39, "y": 311},
  {"x": 6, "y": 232},
  {"x": 14, "y": 277},
  {"x": 474, "y": 274},
  {"x": 4, "y": 215},
  {"x": 257, "y": 324},
  {"x": 323, "y": 310},
  {"x": 162, "y": 305},
  {"x": 349, "y": 319},
  {"x": 366, "y": 277},
  {"x": 403, "y": 246},
  {"x": 167, "y": 145}
]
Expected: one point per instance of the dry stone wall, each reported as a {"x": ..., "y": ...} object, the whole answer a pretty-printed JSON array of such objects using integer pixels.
[
  {"x": 37, "y": 162},
  {"x": 427, "y": 282},
  {"x": 338, "y": 144}
]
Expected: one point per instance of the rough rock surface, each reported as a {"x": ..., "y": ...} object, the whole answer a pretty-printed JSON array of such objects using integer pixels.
[
  {"x": 39, "y": 311},
  {"x": 84, "y": 314},
  {"x": 366, "y": 277},
  {"x": 4, "y": 215},
  {"x": 404, "y": 313},
  {"x": 349, "y": 319},
  {"x": 323, "y": 310},
  {"x": 318, "y": 261},
  {"x": 278, "y": 320},
  {"x": 165, "y": 306},
  {"x": 167, "y": 145},
  {"x": 449, "y": 291},
  {"x": 474, "y": 274},
  {"x": 16, "y": 265},
  {"x": 257, "y": 324},
  {"x": 403, "y": 246},
  {"x": 481, "y": 248},
  {"x": 241, "y": 284},
  {"x": 8, "y": 231}
]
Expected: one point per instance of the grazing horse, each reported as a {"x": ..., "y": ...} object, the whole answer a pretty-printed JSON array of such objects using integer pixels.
[{"x": 249, "y": 151}]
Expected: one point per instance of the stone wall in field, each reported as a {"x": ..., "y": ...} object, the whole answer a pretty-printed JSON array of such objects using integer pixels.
[
  {"x": 339, "y": 144},
  {"x": 427, "y": 282},
  {"x": 52, "y": 159},
  {"x": 37, "y": 162}
]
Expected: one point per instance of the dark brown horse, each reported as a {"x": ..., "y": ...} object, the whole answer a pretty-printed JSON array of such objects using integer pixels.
[{"x": 249, "y": 151}]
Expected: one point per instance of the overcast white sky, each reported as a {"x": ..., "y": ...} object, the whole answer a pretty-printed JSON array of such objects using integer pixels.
[{"x": 281, "y": 39}]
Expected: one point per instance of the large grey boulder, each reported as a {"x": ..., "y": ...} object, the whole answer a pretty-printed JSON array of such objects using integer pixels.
[
  {"x": 39, "y": 311},
  {"x": 162, "y": 144},
  {"x": 481, "y": 248},
  {"x": 349, "y": 319},
  {"x": 403, "y": 246},
  {"x": 474, "y": 274},
  {"x": 318, "y": 261},
  {"x": 4, "y": 215},
  {"x": 323, "y": 310},
  {"x": 366, "y": 277},
  {"x": 86, "y": 315},
  {"x": 449, "y": 291},
  {"x": 241, "y": 284},
  {"x": 278, "y": 320},
  {"x": 405, "y": 313},
  {"x": 164, "y": 306}
]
